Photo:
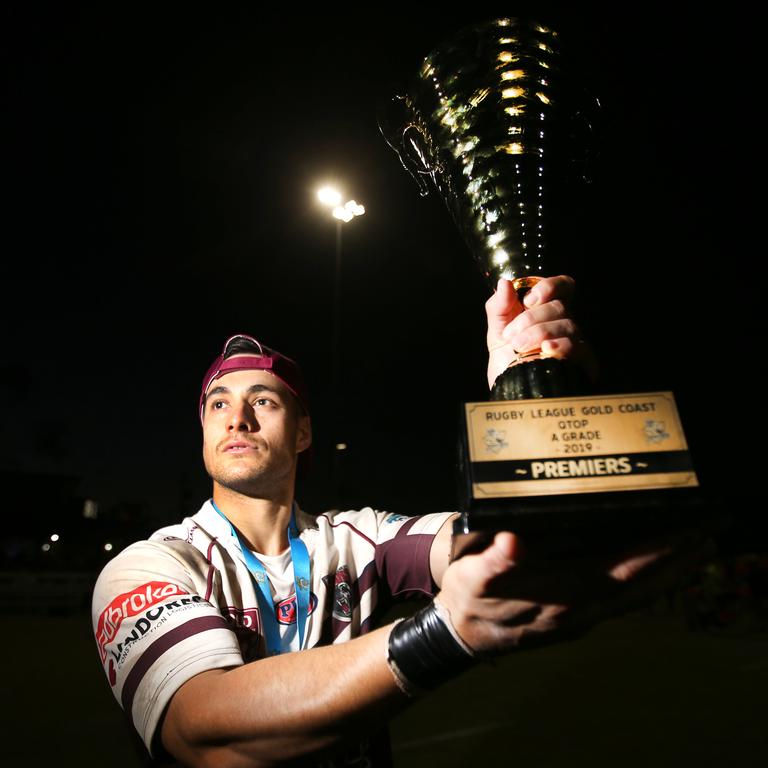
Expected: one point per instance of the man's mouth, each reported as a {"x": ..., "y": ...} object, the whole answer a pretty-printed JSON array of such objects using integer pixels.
[{"x": 238, "y": 446}]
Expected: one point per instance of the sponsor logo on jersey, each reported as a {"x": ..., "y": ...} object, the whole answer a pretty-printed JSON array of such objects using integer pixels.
[
  {"x": 143, "y": 626},
  {"x": 244, "y": 618},
  {"x": 131, "y": 604},
  {"x": 285, "y": 610},
  {"x": 342, "y": 594}
]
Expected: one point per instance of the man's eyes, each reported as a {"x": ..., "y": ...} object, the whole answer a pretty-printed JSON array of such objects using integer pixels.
[{"x": 261, "y": 402}]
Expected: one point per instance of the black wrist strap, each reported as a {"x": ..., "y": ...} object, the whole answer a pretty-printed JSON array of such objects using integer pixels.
[{"x": 423, "y": 652}]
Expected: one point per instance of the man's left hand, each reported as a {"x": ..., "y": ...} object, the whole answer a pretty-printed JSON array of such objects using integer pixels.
[{"x": 542, "y": 320}]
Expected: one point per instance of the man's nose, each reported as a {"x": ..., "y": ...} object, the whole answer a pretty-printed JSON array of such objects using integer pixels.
[{"x": 242, "y": 418}]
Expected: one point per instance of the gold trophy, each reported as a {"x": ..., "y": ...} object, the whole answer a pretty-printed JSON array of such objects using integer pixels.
[{"x": 498, "y": 123}]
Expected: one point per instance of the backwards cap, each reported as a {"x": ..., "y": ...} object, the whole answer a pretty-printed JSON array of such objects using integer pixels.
[{"x": 267, "y": 359}]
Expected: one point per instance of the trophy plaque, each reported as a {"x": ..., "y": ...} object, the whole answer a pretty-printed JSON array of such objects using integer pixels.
[{"x": 497, "y": 122}]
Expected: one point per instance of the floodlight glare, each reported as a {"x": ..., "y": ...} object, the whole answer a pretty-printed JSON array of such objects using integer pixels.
[
  {"x": 329, "y": 196},
  {"x": 341, "y": 213}
]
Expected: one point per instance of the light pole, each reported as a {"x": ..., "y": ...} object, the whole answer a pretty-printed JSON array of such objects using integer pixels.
[{"x": 343, "y": 215}]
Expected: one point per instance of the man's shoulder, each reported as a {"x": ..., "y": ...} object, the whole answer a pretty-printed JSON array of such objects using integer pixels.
[
  {"x": 176, "y": 550},
  {"x": 363, "y": 519},
  {"x": 378, "y": 525}
]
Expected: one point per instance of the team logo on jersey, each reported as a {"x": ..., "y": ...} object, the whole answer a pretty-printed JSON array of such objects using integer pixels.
[
  {"x": 342, "y": 594},
  {"x": 130, "y": 604},
  {"x": 285, "y": 610}
]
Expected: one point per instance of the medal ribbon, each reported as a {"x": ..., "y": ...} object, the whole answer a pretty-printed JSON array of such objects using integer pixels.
[{"x": 301, "y": 572}]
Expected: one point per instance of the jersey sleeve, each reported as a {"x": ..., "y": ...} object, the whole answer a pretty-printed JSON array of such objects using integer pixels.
[
  {"x": 155, "y": 629},
  {"x": 403, "y": 546}
]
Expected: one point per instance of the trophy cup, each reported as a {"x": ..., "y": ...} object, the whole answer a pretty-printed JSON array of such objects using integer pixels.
[{"x": 497, "y": 121}]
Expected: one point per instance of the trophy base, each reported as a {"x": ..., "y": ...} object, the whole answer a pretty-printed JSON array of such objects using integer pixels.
[
  {"x": 577, "y": 525},
  {"x": 577, "y": 475}
]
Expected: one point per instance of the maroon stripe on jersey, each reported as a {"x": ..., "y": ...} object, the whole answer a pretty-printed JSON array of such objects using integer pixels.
[
  {"x": 366, "y": 580},
  {"x": 405, "y": 527},
  {"x": 349, "y": 525},
  {"x": 159, "y": 647},
  {"x": 211, "y": 569},
  {"x": 403, "y": 563},
  {"x": 326, "y": 633}
]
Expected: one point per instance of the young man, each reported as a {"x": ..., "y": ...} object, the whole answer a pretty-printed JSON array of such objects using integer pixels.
[{"x": 252, "y": 577}]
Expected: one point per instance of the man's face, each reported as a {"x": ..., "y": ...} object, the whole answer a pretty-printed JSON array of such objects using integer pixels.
[{"x": 252, "y": 432}]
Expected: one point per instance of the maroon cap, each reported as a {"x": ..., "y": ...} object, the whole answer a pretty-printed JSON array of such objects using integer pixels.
[{"x": 269, "y": 360}]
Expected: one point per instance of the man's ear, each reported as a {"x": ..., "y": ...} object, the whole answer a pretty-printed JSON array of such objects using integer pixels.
[{"x": 304, "y": 434}]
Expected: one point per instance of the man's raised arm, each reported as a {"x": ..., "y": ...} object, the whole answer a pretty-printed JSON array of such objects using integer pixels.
[{"x": 280, "y": 708}]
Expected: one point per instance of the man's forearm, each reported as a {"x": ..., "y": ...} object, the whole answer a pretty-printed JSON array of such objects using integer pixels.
[{"x": 279, "y": 708}]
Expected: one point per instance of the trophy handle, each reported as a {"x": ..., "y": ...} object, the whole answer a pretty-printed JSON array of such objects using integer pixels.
[{"x": 407, "y": 140}]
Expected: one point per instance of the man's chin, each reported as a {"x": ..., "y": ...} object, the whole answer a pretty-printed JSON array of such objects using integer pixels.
[
  {"x": 245, "y": 486},
  {"x": 255, "y": 483}
]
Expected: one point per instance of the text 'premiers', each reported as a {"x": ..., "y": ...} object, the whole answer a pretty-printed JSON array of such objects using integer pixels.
[{"x": 581, "y": 467}]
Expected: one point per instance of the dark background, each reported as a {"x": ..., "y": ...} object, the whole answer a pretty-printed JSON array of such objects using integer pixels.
[{"x": 160, "y": 166}]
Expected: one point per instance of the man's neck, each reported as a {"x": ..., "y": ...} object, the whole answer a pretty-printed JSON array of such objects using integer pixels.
[{"x": 262, "y": 522}]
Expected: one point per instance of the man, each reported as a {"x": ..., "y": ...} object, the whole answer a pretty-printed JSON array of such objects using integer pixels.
[{"x": 251, "y": 577}]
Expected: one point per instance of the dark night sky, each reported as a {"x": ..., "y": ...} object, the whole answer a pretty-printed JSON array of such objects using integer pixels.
[{"x": 160, "y": 170}]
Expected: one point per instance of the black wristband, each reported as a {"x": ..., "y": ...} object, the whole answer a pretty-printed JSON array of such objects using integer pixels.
[{"x": 423, "y": 653}]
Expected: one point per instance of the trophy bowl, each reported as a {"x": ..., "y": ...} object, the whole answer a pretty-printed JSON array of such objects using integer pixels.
[{"x": 497, "y": 125}]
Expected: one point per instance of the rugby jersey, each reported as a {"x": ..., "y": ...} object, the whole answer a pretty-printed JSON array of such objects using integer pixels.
[{"x": 183, "y": 601}]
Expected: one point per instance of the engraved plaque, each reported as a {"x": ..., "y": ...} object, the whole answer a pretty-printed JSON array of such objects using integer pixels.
[{"x": 576, "y": 445}]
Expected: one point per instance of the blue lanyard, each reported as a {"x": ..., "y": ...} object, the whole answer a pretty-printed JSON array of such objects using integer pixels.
[{"x": 301, "y": 570}]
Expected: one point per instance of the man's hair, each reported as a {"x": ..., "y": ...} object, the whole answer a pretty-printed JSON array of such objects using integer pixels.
[
  {"x": 280, "y": 366},
  {"x": 241, "y": 346}
]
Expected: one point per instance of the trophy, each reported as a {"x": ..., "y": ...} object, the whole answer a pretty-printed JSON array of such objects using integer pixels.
[{"x": 497, "y": 121}]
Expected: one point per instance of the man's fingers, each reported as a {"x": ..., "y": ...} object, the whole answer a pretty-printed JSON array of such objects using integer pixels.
[
  {"x": 481, "y": 569},
  {"x": 502, "y": 308},
  {"x": 561, "y": 287},
  {"x": 501, "y": 555},
  {"x": 560, "y": 348},
  {"x": 631, "y": 567},
  {"x": 647, "y": 577},
  {"x": 553, "y": 310},
  {"x": 563, "y": 585},
  {"x": 532, "y": 338}
]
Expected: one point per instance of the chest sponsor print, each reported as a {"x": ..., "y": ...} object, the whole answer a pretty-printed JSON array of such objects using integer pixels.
[{"x": 285, "y": 610}]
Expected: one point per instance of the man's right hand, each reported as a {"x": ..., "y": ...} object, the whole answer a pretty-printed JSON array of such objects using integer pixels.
[{"x": 499, "y": 600}]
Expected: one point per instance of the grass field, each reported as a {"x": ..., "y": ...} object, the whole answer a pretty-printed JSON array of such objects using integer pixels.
[{"x": 640, "y": 691}]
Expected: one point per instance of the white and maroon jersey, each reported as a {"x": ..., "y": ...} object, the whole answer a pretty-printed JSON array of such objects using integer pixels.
[{"x": 184, "y": 602}]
